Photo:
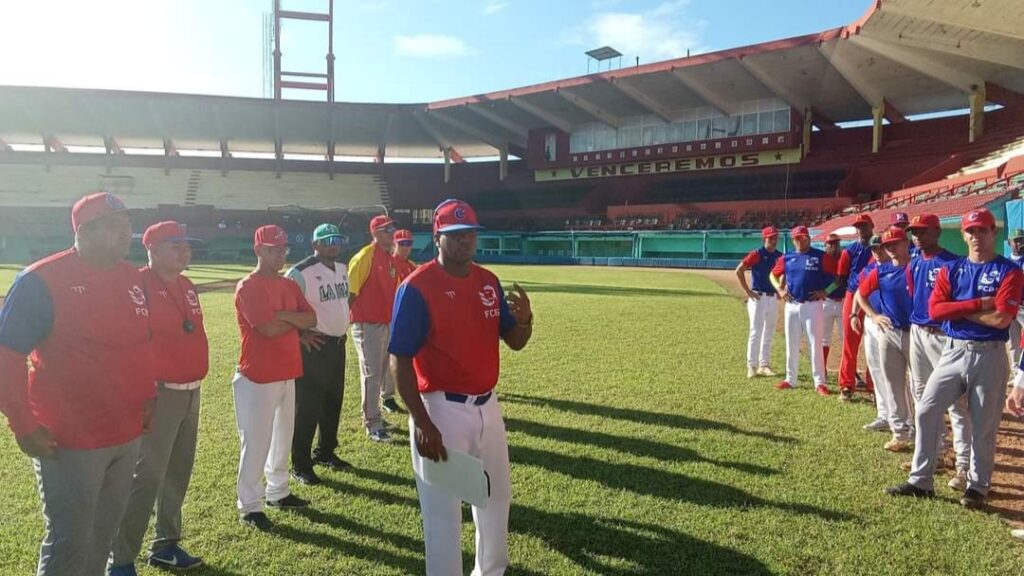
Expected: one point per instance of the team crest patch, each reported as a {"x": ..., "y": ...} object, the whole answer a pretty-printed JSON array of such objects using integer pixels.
[
  {"x": 137, "y": 295},
  {"x": 192, "y": 298},
  {"x": 460, "y": 213},
  {"x": 115, "y": 202},
  {"x": 488, "y": 296}
]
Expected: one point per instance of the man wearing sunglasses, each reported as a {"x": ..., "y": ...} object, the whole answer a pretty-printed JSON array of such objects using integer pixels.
[
  {"x": 372, "y": 283},
  {"x": 321, "y": 388},
  {"x": 403, "y": 247}
]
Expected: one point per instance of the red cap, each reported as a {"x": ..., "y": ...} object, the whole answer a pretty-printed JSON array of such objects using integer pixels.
[
  {"x": 94, "y": 207},
  {"x": 270, "y": 235},
  {"x": 769, "y": 231},
  {"x": 980, "y": 218},
  {"x": 454, "y": 215},
  {"x": 833, "y": 238},
  {"x": 379, "y": 222},
  {"x": 893, "y": 235},
  {"x": 863, "y": 218},
  {"x": 799, "y": 231},
  {"x": 925, "y": 221},
  {"x": 403, "y": 235},
  {"x": 169, "y": 231}
]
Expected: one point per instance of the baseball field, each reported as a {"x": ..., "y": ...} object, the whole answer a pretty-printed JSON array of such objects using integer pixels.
[{"x": 637, "y": 447}]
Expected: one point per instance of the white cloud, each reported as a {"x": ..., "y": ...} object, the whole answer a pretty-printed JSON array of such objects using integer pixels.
[
  {"x": 658, "y": 34},
  {"x": 431, "y": 46},
  {"x": 494, "y": 6}
]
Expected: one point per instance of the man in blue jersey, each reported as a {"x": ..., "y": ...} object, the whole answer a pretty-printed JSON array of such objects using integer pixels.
[
  {"x": 927, "y": 340},
  {"x": 869, "y": 330},
  {"x": 891, "y": 316},
  {"x": 762, "y": 302},
  {"x": 833, "y": 305},
  {"x": 803, "y": 279},
  {"x": 976, "y": 298}
]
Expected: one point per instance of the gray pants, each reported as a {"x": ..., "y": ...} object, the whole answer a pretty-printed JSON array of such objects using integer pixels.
[
  {"x": 977, "y": 371},
  {"x": 84, "y": 493},
  {"x": 926, "y": 348},
  {"x": 894, "y": 354},
  {"x": 371, "y": 342},
  {"x": 161, "y": 476}
]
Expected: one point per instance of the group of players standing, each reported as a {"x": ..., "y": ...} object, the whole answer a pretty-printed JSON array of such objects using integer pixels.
[{"x": 920, "y": 309}]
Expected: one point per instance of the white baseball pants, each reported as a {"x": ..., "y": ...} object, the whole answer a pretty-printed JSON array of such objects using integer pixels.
[
  {"x": 479, "y": 431},
  {"x": 804, "y": 319},
  {"x": 872, "y": 354},
  {"x": 265, "y": 414},
  {"x": 763, "y": 313},
  {"x": 833, "y": 316}
]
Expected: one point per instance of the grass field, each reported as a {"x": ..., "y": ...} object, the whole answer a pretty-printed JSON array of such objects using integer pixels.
[{"x": 637, "y": 447}]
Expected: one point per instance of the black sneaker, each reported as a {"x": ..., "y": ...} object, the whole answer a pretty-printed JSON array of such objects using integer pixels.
[
  {"x": 972, "y": 499},
  {"x": 333, "y": 462},
  {"x": 289, "y": 502},
  {"x": 908, "y": 489},
  {"x": 390, "y": 405},
  {"x": 307, "y": 477},
  {"x": 258, "y": 520},
  {"x": 845, "y": 395}
]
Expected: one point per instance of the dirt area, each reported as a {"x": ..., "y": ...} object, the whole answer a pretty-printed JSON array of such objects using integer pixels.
[{"x": 1007, "y": 495}]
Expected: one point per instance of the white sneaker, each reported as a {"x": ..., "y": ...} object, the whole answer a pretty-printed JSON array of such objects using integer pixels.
[
  {"x": 1017, "y": 533},
  {"x": 877, "y": 425},
  {"x": 379, "y": 435},
  {"x": 767, "y": 371},
  {"x": 751, "y": 372},
  {"x": 959, "y": 480}
]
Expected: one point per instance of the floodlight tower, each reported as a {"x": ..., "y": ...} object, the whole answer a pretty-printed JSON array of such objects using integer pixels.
[{"x": 285, "y": 79}]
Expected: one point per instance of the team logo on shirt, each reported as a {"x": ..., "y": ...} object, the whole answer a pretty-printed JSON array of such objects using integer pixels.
[
  {"x": 932, "y": 275},
  {"x": 811, "y": 263},
  {"x": 78, "y": 290},
  {"x": 138, "y": 297},
  {"x": 988, "y": 282},
  {"x": 488, "y": 296}
]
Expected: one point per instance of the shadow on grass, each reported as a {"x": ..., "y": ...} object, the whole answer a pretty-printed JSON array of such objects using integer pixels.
[
  {"x": 371, "y": 554},
  {"x": 641, "y": 416},
  {"x": 599, "y": 290},
  {"x": 636, "y": 446},
  {"x": 635, "y": 548},
  {"x": 648, "y": 481}
]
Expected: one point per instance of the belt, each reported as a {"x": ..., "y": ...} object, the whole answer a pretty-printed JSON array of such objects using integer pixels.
[
  {"x": 340, "y": 339},
  {"x": 931, "y": 330},
  {"x": 183, "y": 386},
  {"x": 464, "y": 398},
  {"x": 978, "y": 344}
]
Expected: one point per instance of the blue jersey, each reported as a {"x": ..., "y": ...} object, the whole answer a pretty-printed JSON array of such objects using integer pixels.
[
  {"x": 805, "y": 272},
  {"x": 875, "y": 299},
  {"x": 966, "y": 280},
  {"x": 761, "y": 262},
  {"x": 889, "y": 282},
  {"x": 852, "y": 262},
  {"x": 923, "y": 272}
]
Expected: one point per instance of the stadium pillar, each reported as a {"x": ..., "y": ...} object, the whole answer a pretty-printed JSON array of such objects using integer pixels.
[
  {"x": 704, "y": 247},
  {"x": 807, "y": 132},
  {"x": 977, "y": 100},
  {"x": 503, "y": 163},
  {"x": 447, "y": 165},
  {"x": 877, "y": 114}
]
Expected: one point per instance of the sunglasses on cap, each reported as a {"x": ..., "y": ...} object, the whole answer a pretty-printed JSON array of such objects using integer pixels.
[
  {"x": 405, "y": 242},
  {"x": 332, "y": 241}
]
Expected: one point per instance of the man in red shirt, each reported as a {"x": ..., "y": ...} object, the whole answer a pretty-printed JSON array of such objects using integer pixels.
[
  {"x": 372, "y": 282},
  {"x": 449, "y": 315},
  {"x": 81, "y": 318},
  {"x": 403, "y": 247},
  {"x": 181, "y": 361},
  {"x": 271, "y": 310}
]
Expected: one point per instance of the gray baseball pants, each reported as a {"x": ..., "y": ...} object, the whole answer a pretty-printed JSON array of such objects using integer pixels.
[{"x": 926, "y": 347}]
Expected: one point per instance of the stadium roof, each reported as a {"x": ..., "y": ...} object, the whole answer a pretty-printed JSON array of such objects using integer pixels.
[{"x": 916, "y": 56}]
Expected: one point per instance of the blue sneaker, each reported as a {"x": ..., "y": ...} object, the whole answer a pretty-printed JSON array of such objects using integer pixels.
[
  {"x": 174, "y": 558},
  {"x": 125, "y": 570}
]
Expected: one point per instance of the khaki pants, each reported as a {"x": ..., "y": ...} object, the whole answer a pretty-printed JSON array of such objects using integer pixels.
[{"x": 371, "y": 342}]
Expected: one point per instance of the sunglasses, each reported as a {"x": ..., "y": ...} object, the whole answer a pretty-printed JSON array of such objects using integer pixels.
[
  {"x": 332, "y": 241},
  {"x": 405, "y": 242}
]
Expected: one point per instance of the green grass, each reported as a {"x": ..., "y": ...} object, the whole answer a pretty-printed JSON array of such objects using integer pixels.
[{"x": 637, "y": 447}]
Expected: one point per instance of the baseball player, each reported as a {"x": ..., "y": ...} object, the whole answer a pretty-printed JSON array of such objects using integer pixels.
[
  {"x": 1016, "y": 242},
  {"x": 762, "y": 302},
  {"x": 271, "y": 311},
  {"x": 869, "y": 331},
  {"x": 902, "y": 221},
  {"x": 976, "y": 298},
  {"x": 403, "y": 247},
  {"x": 181, "y": 361},
  {"x": 851, "y": 262},
  {"x": 803, "y": 278},
  {"x": 81, "y": 318},
  {"x": 448, "y": 318},
  {"x": 372, "y": 283},
  {"x": 320, "y": 390},
  {"x": 928, "y": 340},
  {"x": 891, "y": 318},
  {"x": 833, "y": 305}
]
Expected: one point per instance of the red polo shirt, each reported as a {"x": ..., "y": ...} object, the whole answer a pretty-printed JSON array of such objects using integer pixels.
[
  {"x": 179, "y": 357},
  {"x": 258, "y": 298}
]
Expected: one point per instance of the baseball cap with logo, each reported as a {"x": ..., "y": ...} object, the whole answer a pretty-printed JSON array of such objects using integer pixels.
[
  {"x": 453, "y": 216},
  {"x": 381, "y": 222},
  {"x": 403, "y": 237},
  {"x": 325, "y": 231},
  {"x": 893, "y": 235},
  {"x": 833, "y": 238},
  {"x": 863, "y": 218},
  {"x": 270, "y": 235},
  {"x": 169, "y": 231},
  {"x": 980, "y": 218},
  {"x": 798, "y": 231},
  {"x": 94, "y": 207},
  {"x": 1017, "y": 233},
  {"x": 900, "y": 218},
  {"x": 769, "y": 231},
  {"x": 925, "y": 221}
]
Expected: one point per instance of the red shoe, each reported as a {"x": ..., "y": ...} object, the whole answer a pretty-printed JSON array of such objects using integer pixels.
[
  {"x": 783, "y": 385},
  {"x": 822, "y": 390}
]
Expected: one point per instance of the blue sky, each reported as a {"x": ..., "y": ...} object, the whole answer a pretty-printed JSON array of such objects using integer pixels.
[{"x": 387, "y": 50}]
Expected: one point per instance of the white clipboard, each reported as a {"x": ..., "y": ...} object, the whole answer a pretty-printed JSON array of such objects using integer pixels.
[{"x": 461, "y": 475}]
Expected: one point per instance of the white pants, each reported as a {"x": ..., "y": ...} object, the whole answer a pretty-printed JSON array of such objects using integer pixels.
[
  {"x": 804, "y": 319},
  {"x": 265, "y": 414},
  {"x": 872, "y": 353},
  {"x": 763, "y": 313},
  {"x": 479, "y": 431},
  {"x": 833, "y": 316}
]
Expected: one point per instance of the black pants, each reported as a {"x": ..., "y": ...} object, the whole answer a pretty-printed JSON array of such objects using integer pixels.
[{"x": 318, "y": 397}]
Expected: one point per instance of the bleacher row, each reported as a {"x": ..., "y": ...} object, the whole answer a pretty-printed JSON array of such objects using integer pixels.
[{"x": 699, "y": 220}]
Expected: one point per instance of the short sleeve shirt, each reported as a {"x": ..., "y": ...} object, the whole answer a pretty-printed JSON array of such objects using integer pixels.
[{"x": 258, "y": 298}]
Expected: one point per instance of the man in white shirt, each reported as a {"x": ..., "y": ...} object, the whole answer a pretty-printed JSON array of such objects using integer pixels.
[{"x": 319, "y": 392}]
